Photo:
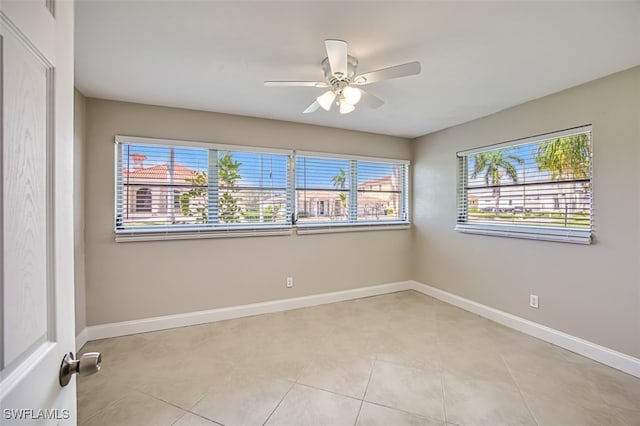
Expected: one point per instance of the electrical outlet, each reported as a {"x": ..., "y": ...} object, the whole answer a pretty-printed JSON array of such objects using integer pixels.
[
  {"x": 289, "y": 282},
  {"x": 533, "y": 301}
]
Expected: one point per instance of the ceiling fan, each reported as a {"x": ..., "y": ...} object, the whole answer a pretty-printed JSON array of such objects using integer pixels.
[{"x": 340, "y": 75}]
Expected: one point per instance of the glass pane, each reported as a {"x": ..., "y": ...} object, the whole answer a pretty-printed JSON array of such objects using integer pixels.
[
  {"x": 322, "y": 189},
  {"x": 253, "y": 187},
  {"x": 162, "y": 186},
  {"x": 379, "y": 191},
  {"x": 546, "y": 183}
]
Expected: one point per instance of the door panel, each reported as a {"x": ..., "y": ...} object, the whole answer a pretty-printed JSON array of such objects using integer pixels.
[
  {"x": 36, "y": 211},
  {"x": 26, "y": 133}
]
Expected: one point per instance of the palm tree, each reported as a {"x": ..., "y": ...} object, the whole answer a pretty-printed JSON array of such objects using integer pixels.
[
  {"x": 340, "y": 182},
  {"x": 566, "y": 158},
  {"x": 495, "y": 165}
]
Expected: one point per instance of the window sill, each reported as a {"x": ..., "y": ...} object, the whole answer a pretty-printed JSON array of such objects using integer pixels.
[
  {"x": 129, "y": 235},
  {"x": 124, "y": 236},
  {"x": 563, "y": 235},
  {"x": 329, "y": 228}
]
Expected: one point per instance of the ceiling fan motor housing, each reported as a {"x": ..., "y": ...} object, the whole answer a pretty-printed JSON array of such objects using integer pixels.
[{"x": 336, "y": 81}]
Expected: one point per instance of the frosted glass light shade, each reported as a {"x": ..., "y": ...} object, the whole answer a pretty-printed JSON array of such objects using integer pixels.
[
  {"x": 326, "y": 99},
  {"x": 346, "y": 108},
  {"x": 351, "y": 95}
]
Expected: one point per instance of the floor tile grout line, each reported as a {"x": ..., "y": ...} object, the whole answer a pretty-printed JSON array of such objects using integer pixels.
[
  {"x": 179, "y": 418},
  {"x": 197, "y": 415},
  {"x": 206, "y": 418},
  {"x": 112, "y": 403},
  {"x": 444, "y": 397},
  {"x": 411, "y": 413},
  {"x": 278, "y": 404},
  {"x": 364, "y": 394},
  {"x": 441, "y": 371},
  {"x": 328, "y": 391},
  {"x": 186, "y": 410},
  {"x": 524, "y": 400}
]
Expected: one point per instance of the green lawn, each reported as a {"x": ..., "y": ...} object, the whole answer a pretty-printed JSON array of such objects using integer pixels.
[{"x": 533, "y": 219}]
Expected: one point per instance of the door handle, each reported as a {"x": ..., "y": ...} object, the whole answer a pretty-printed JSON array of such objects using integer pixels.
[{"x": 88, "y": 364}]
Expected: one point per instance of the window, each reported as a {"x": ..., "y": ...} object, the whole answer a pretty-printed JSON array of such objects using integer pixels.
[
  {"x": 380, "y": 191},
  {"x": 350, "y": 191},
  {"x": 165, "y": 189},
  {"x": 176, "y": 199},
  {"x": 538, "y": 188},
  {"x": 318, "y": 180},
  {"x": 143, "y": 200}
]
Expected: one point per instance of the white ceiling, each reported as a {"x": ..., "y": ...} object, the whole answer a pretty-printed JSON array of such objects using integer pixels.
[{"x": 477, "y": 57}]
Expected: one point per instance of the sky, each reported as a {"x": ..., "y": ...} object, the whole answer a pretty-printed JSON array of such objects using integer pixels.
[
  {"x": 272, "y": 169},
  {"x": 527, "y": 171}
]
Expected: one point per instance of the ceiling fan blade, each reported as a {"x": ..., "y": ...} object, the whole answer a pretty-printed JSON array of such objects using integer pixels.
[
  {"x": 337, "y": 54},
  {"x": 397, "y": 71},
  {"x": 312, "y": 108},
  {"x": 372, "y": 100},
  {"x": 295, "y": 84}
]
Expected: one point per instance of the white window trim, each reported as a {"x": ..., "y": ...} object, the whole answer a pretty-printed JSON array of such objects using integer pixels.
[
  {"x": 542, "y": 233},
  {"x": 564, "y": 235},
  {"x": 163, "y": 143},
  {"x": 351, "y": 157},
  {"x": 188, "y": 233},
  {"x": 159, "y": 233},
  {"x": 530, "y": 139},
  {"x": 330, "y": 228},
  {"x": 321, "y": 227}
]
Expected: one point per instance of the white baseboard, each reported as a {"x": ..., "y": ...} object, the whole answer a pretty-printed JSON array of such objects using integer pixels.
[
  {"x": 599, "y": 353},
  {"x": 583, "y": 347},
  {"x": 124, "y": 328},
  {"x": 82, "y": 338}
]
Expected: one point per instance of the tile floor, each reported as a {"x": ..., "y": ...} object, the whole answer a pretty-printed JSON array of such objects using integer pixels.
[{"x": 398, "y": 359}]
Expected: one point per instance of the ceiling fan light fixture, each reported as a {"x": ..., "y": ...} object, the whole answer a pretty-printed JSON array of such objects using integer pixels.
[
  {"x": 326, "y": 99},
  {"x": 351, "y": 95},
  {"x": 345, "y": 107},
  {"x": 342, "y": 81}
]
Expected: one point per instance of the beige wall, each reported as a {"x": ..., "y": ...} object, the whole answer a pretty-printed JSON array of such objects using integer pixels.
[
  {"x": 127, "y": 281},
  {"x": 79, "y": 140},
  {"x": 592, "y": 292}
]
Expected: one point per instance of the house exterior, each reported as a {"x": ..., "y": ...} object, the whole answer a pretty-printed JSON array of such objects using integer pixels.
[
  {"x": 541, "y": 198},
  {"x": 378, "y": 199},
  {"x": 153, "y": 193}
]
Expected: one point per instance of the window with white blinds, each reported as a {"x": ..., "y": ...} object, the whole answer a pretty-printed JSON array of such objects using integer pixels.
[
  {"x": 538, "y": 188},
  {"x": 323, "y": 189},
  {"x": 341, "y": 190},
  {"x": 381, "y": 191},
  {"x": 163, "y": 187},
  {"x": 178, "y": 189}
]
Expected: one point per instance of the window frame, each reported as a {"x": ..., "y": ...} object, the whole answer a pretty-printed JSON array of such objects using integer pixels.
[
  {"x": 534, "y": 232},
  {"x": 213, "y": 230},
  {"x": 352, "y": 223},
  {"x": 221, "y": 230}
]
